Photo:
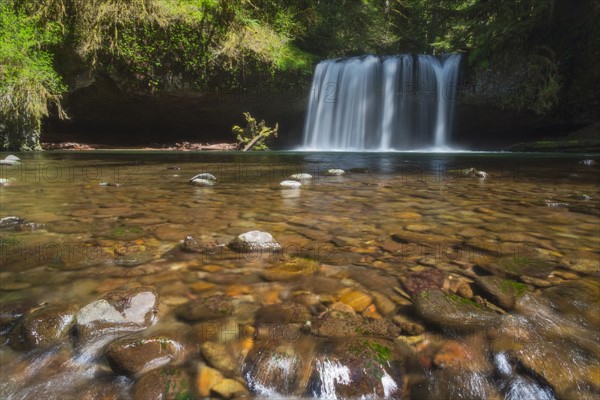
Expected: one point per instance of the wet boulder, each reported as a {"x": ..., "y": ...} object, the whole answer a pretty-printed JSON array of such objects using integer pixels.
[
  {"x": 139, "y": 354},
  {"x": 452, "y": 311},
  {"x": 503, "y": 292},
  {"x": 278, "y": 370},
  {"x": 43, "y": 326},
  {"x": 116, "y": 314},
  {"x": 358, "y": 368}
]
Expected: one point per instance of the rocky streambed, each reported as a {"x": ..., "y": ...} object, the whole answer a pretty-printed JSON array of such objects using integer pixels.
[{"x": 374, "y": 283}]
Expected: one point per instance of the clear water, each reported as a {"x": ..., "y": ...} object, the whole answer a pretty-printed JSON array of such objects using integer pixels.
[{"x": 345, "y": 223}]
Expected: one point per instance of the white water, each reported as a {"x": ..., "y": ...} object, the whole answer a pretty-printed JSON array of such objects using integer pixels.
[{"x": 374, "y": 103}]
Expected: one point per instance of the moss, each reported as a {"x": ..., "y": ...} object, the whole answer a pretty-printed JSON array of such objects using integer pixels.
[
  {"x": 462, "y": 300},
  {"x": 508, "y": 286},
  {"x": 378, "y": 352}
]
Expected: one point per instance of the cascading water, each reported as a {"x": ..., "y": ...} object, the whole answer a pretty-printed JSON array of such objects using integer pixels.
[{"x": 399, "y": 102}]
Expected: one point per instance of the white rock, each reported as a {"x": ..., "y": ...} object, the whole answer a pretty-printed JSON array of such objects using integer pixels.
[
  {"x": 254, "y": 240},
  {"x": 10, "y": 160},
  {"x": 301, "y": 177},
  {"x": 203, "y": 182},
  {"x": 290, "y": 185},
  {"x": 335, "y": 172},
  {"x": 3, "y": 182},
  {"x": 204, "y": 175}
]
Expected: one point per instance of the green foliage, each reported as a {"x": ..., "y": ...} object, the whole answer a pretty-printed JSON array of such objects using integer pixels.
[
  {"x": 254, "y": 134},
  {"x": 186, "y": 45},
  {"x": 28, "y": 82}
]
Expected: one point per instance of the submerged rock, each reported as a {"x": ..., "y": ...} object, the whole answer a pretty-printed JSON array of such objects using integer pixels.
[
  {"x": 219, "y": 356},
  {"x": 359, "y": 301},
  {"x": 43, "y": 326},
  {"x": 206, "y": 309},
  {"x": 452, "y": 311},
  {"x": 579, "y": 299},
  {"x": 254, "y": 241},
  {"x": 282, "y": 314},
  {"x": 192, "y": 245},
  {"x": 137, "y": 355},
  {"x": 167, "y": 383},
  {"x": 291, "y": 269},
  {"x": 116, "y": 314},
  {"x": 429, "y": 278},
  {"x": 336, "y": 324}
]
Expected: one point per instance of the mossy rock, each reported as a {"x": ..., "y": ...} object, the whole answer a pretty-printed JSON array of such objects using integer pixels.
[
  {"x": 503, "y": 292},
  {"x": 167, "y": 383},
  {"x": 452, "y": 311}
]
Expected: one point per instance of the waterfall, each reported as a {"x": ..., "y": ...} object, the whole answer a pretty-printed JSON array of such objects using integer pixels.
[{"x": 388, "y": 103}]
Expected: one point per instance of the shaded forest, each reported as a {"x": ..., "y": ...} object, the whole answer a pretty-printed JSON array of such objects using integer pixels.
[{"x": 548, "y": 49}]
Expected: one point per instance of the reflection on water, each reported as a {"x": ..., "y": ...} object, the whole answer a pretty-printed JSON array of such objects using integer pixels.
[{"x": 355, "y": 287}]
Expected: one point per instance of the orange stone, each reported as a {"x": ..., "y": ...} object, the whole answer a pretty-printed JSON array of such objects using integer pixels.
[
  {"x": 359, "y": 301},
  {"x": 207, "y": 379},
  {"x": 201, "y": 286}
]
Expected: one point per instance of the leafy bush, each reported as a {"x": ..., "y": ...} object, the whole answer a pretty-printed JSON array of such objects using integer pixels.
[
  {"x": 254, "y": 135},
  {"x": 28, "y": 82}
]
